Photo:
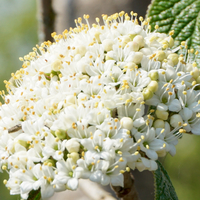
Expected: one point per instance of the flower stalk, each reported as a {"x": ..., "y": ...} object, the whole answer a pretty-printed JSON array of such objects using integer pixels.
[{"x": 128, "y": 192}]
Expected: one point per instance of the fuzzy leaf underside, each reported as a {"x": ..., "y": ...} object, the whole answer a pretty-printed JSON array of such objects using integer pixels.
[
  {"x": 164, "y": 189},
  {"x": 35, "y": 195},
  {"x": 182, "y": 16}
]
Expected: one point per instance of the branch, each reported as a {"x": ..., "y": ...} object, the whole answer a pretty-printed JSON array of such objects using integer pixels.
[
  {"x": 46, "y": 19},
  {"x": 94, "y": 191},
  {"x": 128, "y": 192}
]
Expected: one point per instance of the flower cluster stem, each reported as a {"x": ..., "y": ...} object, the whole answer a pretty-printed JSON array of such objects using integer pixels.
[{"x": 128, "y": 192}]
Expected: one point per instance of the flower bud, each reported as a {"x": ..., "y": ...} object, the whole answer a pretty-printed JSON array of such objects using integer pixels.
[
  {"x": 162, "y": 114},
  {"x": 57, "y": 65},
  {"x": 147, "y": 93},
  {"x": 131, "y": 36},
  {"x": 176, "y": 120},
  {"x": 74, "y": 156},
  {"x": 138, "y": 57},
  {"x": 131, "y": 65},
  {"x": 195, "y": 72},
  {"x": 146, "y": 51},
  {"x": 23, "y": 143},
  {"x": 159, "y": 123},
  {"x": 108, "y": 44},
  {"x": 160, "y": 55},
  {"x": 72, "y": 145},
  {"x": 51, "y": 161},
  {"x": 61, "y": 134},
  {"x": 198, "y": 79},
  {"x": 162, "y": 107},
  {"x": 133, "y": 46},
  {"x": 173, "y": 58},
  {"x": 125, "y": 40},
  {"x": 153, "y": 75},
  {"x": 140, "y": 40},
  {"x": 153, "y": 86},
  {"x": 127, "y": 123}
]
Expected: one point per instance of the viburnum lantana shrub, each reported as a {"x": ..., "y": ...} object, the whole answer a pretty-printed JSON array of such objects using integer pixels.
[{"x": 97, "y": 102}]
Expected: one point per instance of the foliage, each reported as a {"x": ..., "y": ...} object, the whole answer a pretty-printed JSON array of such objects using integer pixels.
[
  {"x": 35, "y": 195},
  {"x": 163, "y": 186}
]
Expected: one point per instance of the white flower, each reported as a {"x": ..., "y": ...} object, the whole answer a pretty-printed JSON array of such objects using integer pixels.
[
  {"x": 66, "y": 174},
  {"x": 95, "y": 103},
  {"x": 150, "y": 145}
]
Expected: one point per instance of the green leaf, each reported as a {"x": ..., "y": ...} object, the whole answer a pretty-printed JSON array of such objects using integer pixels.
[
  {"x": 35, "y": 195},
  {"x": 164, "y": 189},
  {"x": 182, "y": 16}
]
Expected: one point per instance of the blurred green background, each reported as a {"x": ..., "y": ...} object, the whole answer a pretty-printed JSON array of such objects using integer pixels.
[{"x": 18, "y": 34}]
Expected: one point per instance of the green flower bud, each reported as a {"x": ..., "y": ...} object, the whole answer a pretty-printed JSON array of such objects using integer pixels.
[
  {"x": 51, "y": 162},
  {"x": 132, "y": 36},
  {"x": 173, "y": 58},
  {"x": 160, "y": 55},
  {"x": 195, "y": 73},
  {"x": 153, "y": 76},
  {"x": 55, "y": 147},
  {"x": 153, "y": 86},
  {"x": 23, "y": 143},
  {"x": 108, "y": 57},
  {"x": 61, "y": 134},
  {"x": 159, "y": 124},
  {"x": 198, "y": 79},
  {"x": 53, "y": 132},
  {"x": 162, "y": 114},
  {"x": 147, "y": 93},
  {"x": 74, "y": 156}
]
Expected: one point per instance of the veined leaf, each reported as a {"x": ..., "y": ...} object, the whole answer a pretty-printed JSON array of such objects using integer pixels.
[
  {"x": 35, "y": 195},
  {"x": 164, "y": 189},
  {"x": 182, "y": 16}
]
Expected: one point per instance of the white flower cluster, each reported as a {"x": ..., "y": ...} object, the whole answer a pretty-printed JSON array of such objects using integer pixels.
[{"x": 97, "y": 102}]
